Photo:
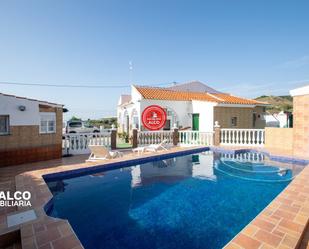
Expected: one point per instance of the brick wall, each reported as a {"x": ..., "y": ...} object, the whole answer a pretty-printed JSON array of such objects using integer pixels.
[
  {"x": 25, "y": 143},
  {"x": 301, "y": 125},
  {"x": 29, "y": 154},
  {"x": 244, "y": 117},
  {"x": 279, "y": 139}
]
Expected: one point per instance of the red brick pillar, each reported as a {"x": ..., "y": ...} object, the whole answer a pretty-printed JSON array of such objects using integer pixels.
[
  {"x": 114, "y": 138},
  {"x": 134, "y": 140},
  {"x": 175, "y": 136},
  {"x": 217, "y": 131}
]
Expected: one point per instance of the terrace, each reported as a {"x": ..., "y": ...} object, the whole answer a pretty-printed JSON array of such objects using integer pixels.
[{"x": 282, "y": 224}]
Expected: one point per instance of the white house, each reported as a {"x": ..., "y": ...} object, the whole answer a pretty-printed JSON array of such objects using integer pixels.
[
  {"x": 281, "y": 119},
  {"x": 192, "y": 105}
]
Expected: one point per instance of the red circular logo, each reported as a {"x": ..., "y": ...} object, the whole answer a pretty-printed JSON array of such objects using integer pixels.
[{"x": 154, "y": 117}]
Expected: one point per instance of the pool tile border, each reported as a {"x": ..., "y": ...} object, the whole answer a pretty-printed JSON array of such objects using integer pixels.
[{"x": 280, "y": 225}]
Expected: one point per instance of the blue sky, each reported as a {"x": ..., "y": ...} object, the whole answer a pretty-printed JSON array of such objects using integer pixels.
[{"x": 247, "y": 48}]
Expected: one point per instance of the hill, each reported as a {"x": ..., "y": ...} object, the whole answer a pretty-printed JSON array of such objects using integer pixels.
[{"x": 277, "y": 103}]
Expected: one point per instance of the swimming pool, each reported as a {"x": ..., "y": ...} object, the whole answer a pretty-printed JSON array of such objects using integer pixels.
[{"x": 199, "y": 200}]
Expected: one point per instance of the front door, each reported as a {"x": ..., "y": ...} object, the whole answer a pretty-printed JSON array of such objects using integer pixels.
[{"x": 195, "y": 121}]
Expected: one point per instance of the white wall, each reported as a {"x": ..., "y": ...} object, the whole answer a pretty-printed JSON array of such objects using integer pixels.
[
  {"x": 181, "y": 108},
  {"x": 135, "y": 95},
  {"x": 9, "y": 106},
  {"x": 283, "y": 119},
  {"x": 277, "y": 120},
  {"x": 206, "y": 111},
  {"x": 129, "y": 108},
  {"x": 300, "y": 91},
  {"x": 271, "y": 121}
]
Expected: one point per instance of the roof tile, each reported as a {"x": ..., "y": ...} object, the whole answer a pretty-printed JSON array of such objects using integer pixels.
[{"x": 167, "y": 94}]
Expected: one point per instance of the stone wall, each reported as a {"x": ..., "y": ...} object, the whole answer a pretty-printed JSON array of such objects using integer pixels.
[
  {"x": 280, "y": 139},
  {"x": 244, "y": 117},
  {"x": 29, "y": 154}
]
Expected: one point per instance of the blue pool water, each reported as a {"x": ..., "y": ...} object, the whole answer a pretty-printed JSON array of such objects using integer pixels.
[{"x": 193, "y": 201}]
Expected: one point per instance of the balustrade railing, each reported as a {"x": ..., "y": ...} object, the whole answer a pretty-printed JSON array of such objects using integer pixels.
[
  {"x": 247, "y": 137},
  {"x": 154, "y": 137},
  {"x": 243, "y": 157},
  {"x": 196, "y": 138},
  {"x": 77, "y": 143}
]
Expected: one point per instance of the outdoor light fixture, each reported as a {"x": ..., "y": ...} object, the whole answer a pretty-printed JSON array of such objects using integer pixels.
[{"x": 22, "y": 108}]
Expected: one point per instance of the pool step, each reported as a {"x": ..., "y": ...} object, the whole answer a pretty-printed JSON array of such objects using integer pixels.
[
  {"x": 262, "y": 176},
  {"x": 252, "y": 167}
]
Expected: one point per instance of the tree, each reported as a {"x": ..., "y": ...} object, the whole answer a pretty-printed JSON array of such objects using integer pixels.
[{"x": 75, "y": 118}]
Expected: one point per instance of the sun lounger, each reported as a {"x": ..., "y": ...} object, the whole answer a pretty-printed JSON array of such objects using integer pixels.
[
  {"x": 156, "y": 147},
  {"x": 139, "y": 150},
  {"x": 151, "y": 147},
  {"x": 100, "y": 152}
]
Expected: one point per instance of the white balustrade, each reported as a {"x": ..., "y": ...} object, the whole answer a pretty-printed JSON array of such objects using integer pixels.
[
  {"x": 243, "y": 157},
  {"x": 154, "y": 137},
  {"x": 240, "y": 137},
  {"x": 77, "y": 143},
  {"x": 196, "y": 138}
]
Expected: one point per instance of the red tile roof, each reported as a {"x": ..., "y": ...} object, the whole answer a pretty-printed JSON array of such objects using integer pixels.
[{"x": 167, "y": 94}]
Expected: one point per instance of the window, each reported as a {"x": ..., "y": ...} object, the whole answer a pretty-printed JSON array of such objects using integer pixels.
[
  {"x": 234, "y": 121},
  {"x": 4, "y": 124},
  {"x": 47, "y": 122}
]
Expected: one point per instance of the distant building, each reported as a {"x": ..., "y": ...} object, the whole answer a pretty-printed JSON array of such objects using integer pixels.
[
  {"x": 192, "y": 105},
  {"x": 281, "y": 119},
  {"x": 30, "y": 130}
]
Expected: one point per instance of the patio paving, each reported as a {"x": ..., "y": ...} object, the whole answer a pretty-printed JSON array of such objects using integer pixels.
[{"x": 280, "y": 225}]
